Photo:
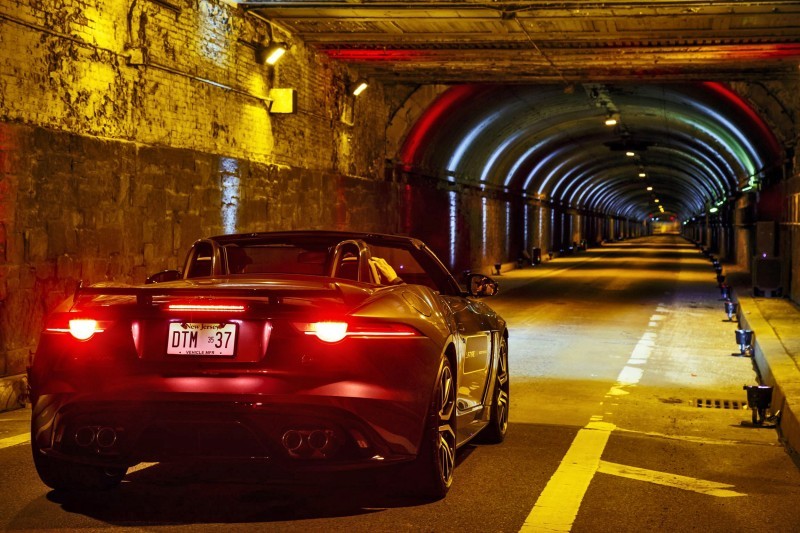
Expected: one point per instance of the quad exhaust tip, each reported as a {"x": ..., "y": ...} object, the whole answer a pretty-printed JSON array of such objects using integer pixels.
[
  {"x": 103, "y": 436},
  {"x": 313, "y": 443}
]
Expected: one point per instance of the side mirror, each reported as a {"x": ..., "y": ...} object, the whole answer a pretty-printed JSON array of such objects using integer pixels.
[
  {"x": 164, "y": 275},
  {"x": 479, "y": 285}
]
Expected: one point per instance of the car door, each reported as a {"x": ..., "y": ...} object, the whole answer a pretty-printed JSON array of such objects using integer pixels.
[{"x": 474, "y": 342}]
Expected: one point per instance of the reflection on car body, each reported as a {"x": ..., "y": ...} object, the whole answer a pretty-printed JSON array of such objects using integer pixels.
[{"x": 314, "y": 350}]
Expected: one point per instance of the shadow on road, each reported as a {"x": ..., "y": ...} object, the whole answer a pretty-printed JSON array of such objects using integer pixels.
[{"x": 198, "y": 493}]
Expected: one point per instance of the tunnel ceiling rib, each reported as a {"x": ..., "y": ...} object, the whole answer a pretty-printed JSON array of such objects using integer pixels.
[
  {"x": 552, "y": 144},
  {"x": 692, "y": 194},
  {"x": 658, "y": 179},
  {"x": 524, "y": 41},
  {"x": 672, "y": 169}
]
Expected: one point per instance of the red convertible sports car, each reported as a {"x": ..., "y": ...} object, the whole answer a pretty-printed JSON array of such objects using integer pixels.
[{"x": 311, "y": 350}]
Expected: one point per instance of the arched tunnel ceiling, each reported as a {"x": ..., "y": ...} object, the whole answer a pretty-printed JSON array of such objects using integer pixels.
[
  {"x": 533, "y": 82},
  {"x": 694, "y": 144}
]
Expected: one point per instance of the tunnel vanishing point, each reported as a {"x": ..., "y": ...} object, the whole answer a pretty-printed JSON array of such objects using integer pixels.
[{"x": 129, "y": 129}]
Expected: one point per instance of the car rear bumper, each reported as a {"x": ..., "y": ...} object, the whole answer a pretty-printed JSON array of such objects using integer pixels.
[{"x": 304, "y": 431}]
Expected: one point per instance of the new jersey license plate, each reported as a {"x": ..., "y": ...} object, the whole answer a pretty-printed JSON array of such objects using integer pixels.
[{"x": 194, "y": 338}]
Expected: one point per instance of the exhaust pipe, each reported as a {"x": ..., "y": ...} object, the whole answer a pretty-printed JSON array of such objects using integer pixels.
[
  {"x": 314, "y": 443},
  {"x": 318, "y": 440},
  {"x": 293, "y": 441},
  {"x": 103, "y": 437},
  {"x": 85, "y": 436},
  {"x": 106, "y": 437}
]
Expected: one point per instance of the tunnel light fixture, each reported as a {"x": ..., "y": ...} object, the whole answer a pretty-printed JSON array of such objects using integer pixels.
[
  {"x": 656, "y": 200},
  {"x": 748, "y": 188},
  {"x": 611, "y": 120},
  {"x": 642, "y": 174},
  {"x": 649, "y": 188},
  {"x": 271, "y": 53},
  {"x": 630, "y": 153},
  {"x": 359, "y": 87},
  {"x": 713, "y": 210}
]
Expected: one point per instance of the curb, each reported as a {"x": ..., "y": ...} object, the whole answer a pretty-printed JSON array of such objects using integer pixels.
[{"x": 778, "y": 370}]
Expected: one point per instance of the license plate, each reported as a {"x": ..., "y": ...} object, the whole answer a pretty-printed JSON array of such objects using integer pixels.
[{"x": 193, "y": 338}]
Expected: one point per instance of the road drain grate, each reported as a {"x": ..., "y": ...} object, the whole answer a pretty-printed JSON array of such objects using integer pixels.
[{"x": 720, "y": 404}]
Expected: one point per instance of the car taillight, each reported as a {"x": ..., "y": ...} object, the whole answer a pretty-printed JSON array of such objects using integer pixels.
[
  {"x": 228, "y": 308},
  {"x": 330, "y": 331},
  {"x": 81, "y": 328}
]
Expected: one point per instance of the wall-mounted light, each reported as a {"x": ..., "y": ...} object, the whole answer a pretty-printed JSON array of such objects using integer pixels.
[
  {"x": 656, "y": 200},
  {"x": 271, "y": 53},
  {"x": 611, "y": 120},
  {"x": 358, "y": 87}
]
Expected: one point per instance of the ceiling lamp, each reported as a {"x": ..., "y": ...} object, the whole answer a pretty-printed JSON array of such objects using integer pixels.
[
  {"x": 630, "y": 153},
  {"x": 270, "y": 54},
  {"x": 611, "y": 120},
  {"x": 649, "y": 188},
  {"x": 642, "y": 174},
  {"x": 359, "y": 87}
]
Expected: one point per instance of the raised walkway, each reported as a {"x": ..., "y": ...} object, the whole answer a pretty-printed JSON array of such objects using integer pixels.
[{"x": 775, "y": 323}]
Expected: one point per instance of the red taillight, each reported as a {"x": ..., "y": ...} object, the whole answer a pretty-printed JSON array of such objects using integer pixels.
[
  {"x": 330, "y": 331},
  {"x": 226, "y": 308},
  {"x": 81, "y": 328}
]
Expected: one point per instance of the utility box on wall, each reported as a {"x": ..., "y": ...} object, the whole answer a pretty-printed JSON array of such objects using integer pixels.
[
  {"x": 766, "y": 239},
  {"x": 767, "y": 276}
]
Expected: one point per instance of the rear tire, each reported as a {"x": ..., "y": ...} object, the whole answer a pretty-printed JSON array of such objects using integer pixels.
[
  {"x": 64, "y": 475},
  {"x": 495, "y": 432},
  {"x": 432, "y": 472}
]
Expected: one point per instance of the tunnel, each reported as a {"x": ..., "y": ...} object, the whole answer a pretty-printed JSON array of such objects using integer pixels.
[{"x": 491, "y": 131}]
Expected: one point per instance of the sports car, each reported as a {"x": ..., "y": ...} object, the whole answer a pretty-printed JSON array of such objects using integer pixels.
[{"x": 309, "y": 350}]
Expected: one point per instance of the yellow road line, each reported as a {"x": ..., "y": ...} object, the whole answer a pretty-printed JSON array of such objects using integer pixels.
[
  {"x": 15, "y": 440},
  {"x": 702, "y": 486},
  {"x": 558, "y": 504},
  {"x": 140, "y": 466}
]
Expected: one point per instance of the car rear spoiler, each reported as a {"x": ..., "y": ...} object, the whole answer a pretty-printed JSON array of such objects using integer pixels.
[{"x": 144, "y": 295}]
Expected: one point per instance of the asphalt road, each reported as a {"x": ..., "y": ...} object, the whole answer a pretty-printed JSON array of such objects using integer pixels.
[{"x": 611, "y": 351}]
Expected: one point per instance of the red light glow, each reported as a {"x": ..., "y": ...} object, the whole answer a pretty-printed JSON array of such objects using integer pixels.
[
  {"x": 229, "y": 308},
  {"x": 80, "y": 328},
  {"x": 374, "y": 55},
  {"x": 764, "y": 132},
  {"x": 83, "y": 328},
  {"x": 330, "y": 331},
  {"x": 430, "y": 119}
]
